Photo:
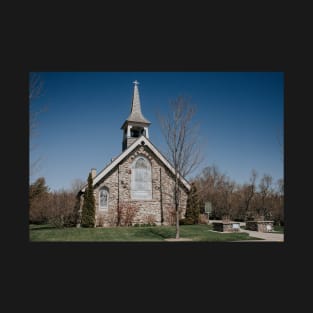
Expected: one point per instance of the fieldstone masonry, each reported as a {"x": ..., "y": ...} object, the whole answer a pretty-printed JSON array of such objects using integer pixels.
[
  {"x": 118, "y": 183},
  {"x": 262, "y": 226},
  {"x": 226, "y": 226}
]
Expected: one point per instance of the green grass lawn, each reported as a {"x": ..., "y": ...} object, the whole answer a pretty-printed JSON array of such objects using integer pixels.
[
  {"x": 122, "y": 234},
  {"x": 277, "y": 229}
]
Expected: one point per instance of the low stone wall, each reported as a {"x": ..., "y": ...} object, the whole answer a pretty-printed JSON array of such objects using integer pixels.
[
  {"x": 226, "y": 226},
  {"x": 261, "y": 226}
]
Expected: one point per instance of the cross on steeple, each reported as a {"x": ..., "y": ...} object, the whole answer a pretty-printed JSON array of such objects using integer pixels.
[{"x": 136, "y": 124}]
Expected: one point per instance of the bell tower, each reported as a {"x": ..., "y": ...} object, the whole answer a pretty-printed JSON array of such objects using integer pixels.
[{"x": 136, "y": 124}]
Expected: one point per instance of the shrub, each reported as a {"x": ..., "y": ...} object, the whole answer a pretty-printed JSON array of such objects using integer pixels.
[
  {"x": 186, "y": 221},
  {"x": 150, "y": 220},
  {"x": 130, "y": 212},
  {"x": 125, "y": 214},
  {"x": 88, "y": 212}
]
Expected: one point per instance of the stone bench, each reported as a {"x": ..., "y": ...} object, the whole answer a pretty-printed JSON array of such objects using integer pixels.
[
  {"x": 224, "y": 226},
  {"x": 261, "y": 226}
]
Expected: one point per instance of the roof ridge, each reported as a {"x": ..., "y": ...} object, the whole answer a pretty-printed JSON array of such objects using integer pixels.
[{"x": 119, "y": 158}]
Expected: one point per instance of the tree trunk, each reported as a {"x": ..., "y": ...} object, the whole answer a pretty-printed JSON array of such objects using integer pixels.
[
  {"x": 176, "y": 207},
  {"x": 161, "y": 198},
  {"x": 177, "y": 223}
]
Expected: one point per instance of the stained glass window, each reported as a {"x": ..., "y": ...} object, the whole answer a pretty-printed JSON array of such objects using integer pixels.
[
  {"x": 141, "y": 179},
  {"x": 103, "y": 198}
]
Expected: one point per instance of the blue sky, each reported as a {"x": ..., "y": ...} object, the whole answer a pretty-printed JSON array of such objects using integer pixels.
[{"x": 240, "y": 115}]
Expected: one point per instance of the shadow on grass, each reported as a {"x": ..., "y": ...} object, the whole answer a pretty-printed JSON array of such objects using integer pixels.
[
  {"x": 162, "y": 233},
  {"x": 41, "y": 226}
]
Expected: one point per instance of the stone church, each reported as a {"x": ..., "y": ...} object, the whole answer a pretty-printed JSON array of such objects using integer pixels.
[{"x": 140, "y": 178}]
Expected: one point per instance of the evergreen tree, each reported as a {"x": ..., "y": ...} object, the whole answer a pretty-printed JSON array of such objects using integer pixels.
[
  {"x": 88, "y": 210},
  {"x": 193, "y": 206}
]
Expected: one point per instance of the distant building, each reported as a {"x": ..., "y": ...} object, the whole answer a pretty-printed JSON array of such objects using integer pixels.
[{"x": 140, "y": 176}]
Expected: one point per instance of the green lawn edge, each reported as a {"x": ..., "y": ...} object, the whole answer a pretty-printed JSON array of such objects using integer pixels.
[{"x": 197, "y": 233}]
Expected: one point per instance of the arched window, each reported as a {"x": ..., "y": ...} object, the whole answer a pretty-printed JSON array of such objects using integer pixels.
[
  {"x": 103, "y": 199},
  {"x": 141, "y": 184}
]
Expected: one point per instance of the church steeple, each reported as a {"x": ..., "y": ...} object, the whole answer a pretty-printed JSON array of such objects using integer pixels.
[
  {"x": 136, "y": 124},
  {"x": 135, "y": 113}
]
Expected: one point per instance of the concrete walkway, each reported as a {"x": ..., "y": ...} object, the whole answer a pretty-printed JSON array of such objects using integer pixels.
[{"x": 265, "y": 236}]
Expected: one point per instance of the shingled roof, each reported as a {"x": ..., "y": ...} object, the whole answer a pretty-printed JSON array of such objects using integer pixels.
[{"x": 135, "y": 112}]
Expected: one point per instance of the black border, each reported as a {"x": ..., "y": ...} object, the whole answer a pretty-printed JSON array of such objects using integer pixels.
[{"x": 208, "y": 46}]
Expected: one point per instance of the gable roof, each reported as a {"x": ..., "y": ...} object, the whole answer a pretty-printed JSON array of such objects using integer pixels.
[{"x": 126, "y": 152}]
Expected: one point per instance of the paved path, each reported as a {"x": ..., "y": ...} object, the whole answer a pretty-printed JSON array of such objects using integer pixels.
[{"x": 265, "y": 236}]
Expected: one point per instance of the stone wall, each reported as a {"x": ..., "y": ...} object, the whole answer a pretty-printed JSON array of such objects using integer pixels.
[
  {"x": 262, "y": 226},
  {"x": 118, "y": 183},
  {"x": 224, "y": 226}
]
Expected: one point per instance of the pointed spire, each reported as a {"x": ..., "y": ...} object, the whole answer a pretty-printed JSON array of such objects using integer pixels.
[{"x": 135, "y": 113}]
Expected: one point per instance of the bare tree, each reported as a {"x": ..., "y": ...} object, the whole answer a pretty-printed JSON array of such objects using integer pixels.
[
  {"x": 182, "y": 140},
  {"x": 227, "y": 189},
  {"x": 248, "y": 193},
  {"x": 280, "y": 201},
  {"x": 76, "y": 185},
  {"x": 209, "y": 182},
  {"x": 61, "y": 210},
  {"x": 265, "y": 191}
]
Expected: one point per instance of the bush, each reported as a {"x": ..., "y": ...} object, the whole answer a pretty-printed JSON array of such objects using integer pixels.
[
  {"x": 150, "y": 220},
  {"x": 125, "y": 214},
  {"x": 186, "y": 221}
]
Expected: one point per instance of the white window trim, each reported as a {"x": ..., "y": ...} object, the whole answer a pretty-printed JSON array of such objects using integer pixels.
[{"x": 103, "y": 208}]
